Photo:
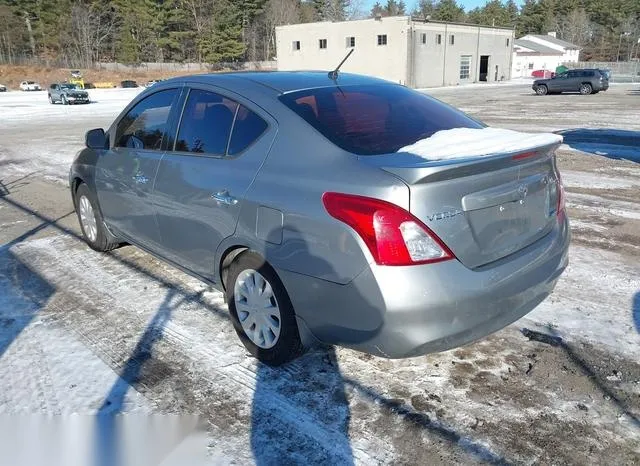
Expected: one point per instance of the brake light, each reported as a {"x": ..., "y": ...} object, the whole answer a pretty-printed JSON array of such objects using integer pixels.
[{"x": 393, "y": 235}]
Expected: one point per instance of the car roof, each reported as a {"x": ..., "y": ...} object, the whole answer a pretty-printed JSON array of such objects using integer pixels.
[{"x": 287, "y": 81}]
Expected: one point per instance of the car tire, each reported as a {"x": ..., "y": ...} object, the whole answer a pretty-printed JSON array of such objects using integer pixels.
[
  {"x": 271, "y": 333},
  {"x": 586, "y": 89},
  {"x": 542, "y": 90},
  {"x": 91, "y": 222},
  {"x": 51, "y": 100},
  {"x": 64, "y": 100}
]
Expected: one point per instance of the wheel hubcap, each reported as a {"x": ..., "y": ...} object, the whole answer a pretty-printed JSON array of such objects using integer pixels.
[
  {"x": 88, "y": 219},
  {"x": 257, "y": 309}
]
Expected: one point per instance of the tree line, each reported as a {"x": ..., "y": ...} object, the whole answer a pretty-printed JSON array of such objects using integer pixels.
[{"x": 79, "y": 33}]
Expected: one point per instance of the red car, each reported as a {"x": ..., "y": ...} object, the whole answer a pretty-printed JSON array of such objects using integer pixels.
[{"x": 544, "y": 74}]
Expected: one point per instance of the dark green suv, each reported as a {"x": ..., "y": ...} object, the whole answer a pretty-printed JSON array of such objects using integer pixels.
[{"x": 588, "y": 81}]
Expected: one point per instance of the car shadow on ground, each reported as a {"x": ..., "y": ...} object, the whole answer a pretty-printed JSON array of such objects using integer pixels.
[
  {"x": 23, "y": 292},
  {"x": 607, "y": 142},
  {"x": 635, "y": 311}
]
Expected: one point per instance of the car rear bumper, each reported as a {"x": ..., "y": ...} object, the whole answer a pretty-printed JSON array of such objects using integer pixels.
[{"x": 399, "y": 312}]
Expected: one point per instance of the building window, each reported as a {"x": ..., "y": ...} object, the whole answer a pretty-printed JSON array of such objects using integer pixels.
[
  {"x": 424, "y": 38},
  {"x": 452, "y": 39},
  {"x": 530, "y": 66},
  {"x": 465, "y": 66},
  {"x": 439, "y": 39},
  {"x": 323, "y": 43},
  {"x": 507, "y": 42},
  {"x": 382, "y": 39},
  {"x": 351, "y": 42},
  {"x": 296, "y": 45}
]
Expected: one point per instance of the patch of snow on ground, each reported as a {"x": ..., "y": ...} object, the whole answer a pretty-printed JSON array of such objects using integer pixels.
[
  {"x": 459, "y": 143},
  {"x": 38, "y": 137},
  {"x": 593, "y": 301},
  {"x": 576, "y": 179}
]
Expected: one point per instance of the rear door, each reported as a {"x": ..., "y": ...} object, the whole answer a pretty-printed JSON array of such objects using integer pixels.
[
  {"x": 221, "y": 142},
  {"x": 126, "y": 172}
]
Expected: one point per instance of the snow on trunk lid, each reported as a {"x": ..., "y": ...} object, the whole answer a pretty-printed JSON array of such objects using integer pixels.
[{"x": 458, "y": 143}]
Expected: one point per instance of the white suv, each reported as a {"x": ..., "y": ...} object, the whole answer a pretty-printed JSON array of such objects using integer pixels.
[{"x": 30, "y": 86}]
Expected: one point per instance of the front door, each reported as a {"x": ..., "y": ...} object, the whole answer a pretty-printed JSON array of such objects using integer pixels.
[
  {"x": 125, "y": 173},
  {"x": 201, "y": 184},
  {"x": 559, "y": 82}
]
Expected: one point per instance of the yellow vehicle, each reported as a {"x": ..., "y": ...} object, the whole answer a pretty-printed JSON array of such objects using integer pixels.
[{"x": 76, "y": 78}]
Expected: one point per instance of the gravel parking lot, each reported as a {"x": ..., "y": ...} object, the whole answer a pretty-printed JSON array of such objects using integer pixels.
[{"x": 122, "y": 333}]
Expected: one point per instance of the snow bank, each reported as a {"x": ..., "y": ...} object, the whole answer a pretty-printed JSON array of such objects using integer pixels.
[{"x": 471, "y": 142}]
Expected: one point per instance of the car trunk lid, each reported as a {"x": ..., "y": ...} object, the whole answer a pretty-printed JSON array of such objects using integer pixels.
[{"x": 482, "y": 208}]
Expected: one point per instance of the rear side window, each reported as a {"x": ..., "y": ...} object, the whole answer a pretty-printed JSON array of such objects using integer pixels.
[
  {"x": 246, "y": 129},
  {"x": 145, "y": 125},
  {"x": 374, "y": 119},
  {"x": 206, "y": 123}
]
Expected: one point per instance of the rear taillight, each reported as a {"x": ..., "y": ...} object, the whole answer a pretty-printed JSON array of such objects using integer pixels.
[
  {"x": 561, "y": 196},
  {"x": 393, "y": 235}
]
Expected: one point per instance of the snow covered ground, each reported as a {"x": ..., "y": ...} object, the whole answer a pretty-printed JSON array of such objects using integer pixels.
[
  {"x": 88, "y": 334},
  {"x": 55, "y": 132}
]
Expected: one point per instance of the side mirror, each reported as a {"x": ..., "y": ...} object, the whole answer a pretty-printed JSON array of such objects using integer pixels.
[{"x": 95, "y": 139}]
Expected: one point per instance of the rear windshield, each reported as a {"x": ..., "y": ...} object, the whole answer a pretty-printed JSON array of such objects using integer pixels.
[{"x": 374, "y": 119}]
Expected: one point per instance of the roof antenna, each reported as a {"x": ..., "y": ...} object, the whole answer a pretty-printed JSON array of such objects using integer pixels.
[{"x": 334, "y": 74}]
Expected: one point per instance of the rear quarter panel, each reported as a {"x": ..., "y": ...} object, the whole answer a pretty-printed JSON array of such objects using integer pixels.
[{"x": 301, "y": 166}]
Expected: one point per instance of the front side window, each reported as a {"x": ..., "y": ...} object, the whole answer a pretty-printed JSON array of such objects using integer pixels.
[
  {"x": 382, "y": 39},
  {"x": 374, "y": 119},
  {"x": 206, "y": 123},
  {"x": 145, "y": 125}
]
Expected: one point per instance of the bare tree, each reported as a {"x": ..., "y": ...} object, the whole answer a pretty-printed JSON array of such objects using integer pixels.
[
  {"x": 278, "y": 13},
  {"x": 575, "y": 27},
  {"x": 91, "y": 26}
]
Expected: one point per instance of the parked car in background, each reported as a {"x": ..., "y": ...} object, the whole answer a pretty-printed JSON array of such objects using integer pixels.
[
  {"x": 152, "y": 82},
  {"x": 545, "y": 74},
  {"x": 67, "y": 93},
  {"x": 128, "y": 83},
  {"x": 3, "y": 88},
  {"x": 30, "y": 86},
  {"x": 587, "y": 81},
  {"x": 312, "y": 219}
]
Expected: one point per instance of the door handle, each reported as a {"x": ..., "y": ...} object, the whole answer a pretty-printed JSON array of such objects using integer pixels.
[{"x": 223, "y": 197}]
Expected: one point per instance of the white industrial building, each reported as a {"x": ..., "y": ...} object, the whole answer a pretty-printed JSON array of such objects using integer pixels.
[
  {"x": 400, "y": 49},
  {"x": 539, "y": 52}
]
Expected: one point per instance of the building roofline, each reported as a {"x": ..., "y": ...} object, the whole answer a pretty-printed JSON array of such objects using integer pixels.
[
  {"x": 556, "y": 41},
  {"x": 535, "y": 47},
  {"x": 408, "y": 18},
  {"x": 457, "y": 23}
]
